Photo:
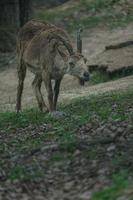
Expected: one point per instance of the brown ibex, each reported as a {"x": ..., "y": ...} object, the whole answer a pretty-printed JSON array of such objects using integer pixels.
[{"x": 47, "y": 51}]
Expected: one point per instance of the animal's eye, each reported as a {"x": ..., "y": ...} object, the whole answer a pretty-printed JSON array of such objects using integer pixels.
[{"x": 71, "y": 64}]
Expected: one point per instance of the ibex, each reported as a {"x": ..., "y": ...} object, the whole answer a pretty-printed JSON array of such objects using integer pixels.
[{"x": 47, "y": 51}]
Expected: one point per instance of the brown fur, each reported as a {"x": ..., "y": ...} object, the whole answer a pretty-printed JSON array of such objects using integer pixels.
[{"x": 46, "y": 50}]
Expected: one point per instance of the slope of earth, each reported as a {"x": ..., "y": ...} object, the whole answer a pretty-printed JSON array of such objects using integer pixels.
[
  {"x": 85, "y": 155},
  {"x": 111, "y": 60}
]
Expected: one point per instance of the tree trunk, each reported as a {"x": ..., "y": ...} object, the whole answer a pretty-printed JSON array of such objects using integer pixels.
[
  {"x": 9, "y": 13},
  {"x": 13, "y": 14},
  {"x": 25, "y": 11}
]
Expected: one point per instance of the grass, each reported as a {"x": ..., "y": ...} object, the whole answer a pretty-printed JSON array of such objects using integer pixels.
[
  {"x": 119, "y": 183},
  {"x": 90, "y": 14},
  {"x": 101, "y": 76},
  {"x": 78, "y": 111}
]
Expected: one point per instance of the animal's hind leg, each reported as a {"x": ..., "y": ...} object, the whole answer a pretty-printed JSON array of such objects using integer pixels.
[
  {"x": 56, "y": 92},
  {"x": 48, "y": 85},
  {"x": 36, "y": 84},
  {"x": 21, "y": 77}
]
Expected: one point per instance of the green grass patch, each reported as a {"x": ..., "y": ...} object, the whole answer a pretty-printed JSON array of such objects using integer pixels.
[
  {"x": 90, "y": 14},
  {"x": 101, "y": 76},
  {"x": 78, "y": 111},
  {"x": 94, "y": 6},
  {"x": 119, "y": 183},
  {"x": 33, "y": 171}
]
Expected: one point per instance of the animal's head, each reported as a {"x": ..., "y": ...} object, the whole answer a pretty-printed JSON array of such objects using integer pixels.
[
  {"x": 76, "y": 63},
  {"x": 77, "y": 66}
]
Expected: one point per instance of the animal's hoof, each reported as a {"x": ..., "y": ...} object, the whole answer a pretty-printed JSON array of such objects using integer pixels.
[{"x": 57, "y": 114}]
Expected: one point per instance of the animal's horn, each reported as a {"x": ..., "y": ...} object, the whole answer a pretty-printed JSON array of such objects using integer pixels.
[
  {"x": 79, "y": 41},
  {"x": 66, "y": 43}
]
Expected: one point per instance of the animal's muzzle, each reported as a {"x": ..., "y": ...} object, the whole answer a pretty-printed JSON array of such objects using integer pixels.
[{"x": 86, "y": 76}]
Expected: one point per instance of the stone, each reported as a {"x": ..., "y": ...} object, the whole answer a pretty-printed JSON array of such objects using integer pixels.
[
  {"x": 120, "y": 130},
  {"x": 77, "y": 152},
  {"x": 68, "y": 186},
  {"x": 113, "y": 128},
  {"x": 112, "y": 147},
  {"x": 57, "y": 114},
  {"x": 86, "y": 195}
]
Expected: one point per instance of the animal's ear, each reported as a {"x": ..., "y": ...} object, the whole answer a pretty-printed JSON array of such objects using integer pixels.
[
  {"x": 79, "y": 41},
  {"x": 63, "y": 55}
]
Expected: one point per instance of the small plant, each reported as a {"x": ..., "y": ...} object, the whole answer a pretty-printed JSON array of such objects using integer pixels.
[
  {"x": 99, "y": 77},
  {"x": 119, "y": 182}
]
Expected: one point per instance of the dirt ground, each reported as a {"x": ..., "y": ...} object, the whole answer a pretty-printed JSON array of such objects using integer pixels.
[
  {"x": 114, "y": 59},
  {"x": 100, "y": 150},
  {"x": 94, "y": 43}
]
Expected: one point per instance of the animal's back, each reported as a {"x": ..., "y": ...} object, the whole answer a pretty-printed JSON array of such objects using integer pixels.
[
  {"x": 36, "y": 43},
  {"x": 31, "y": 29},
  {"x": 43, "y": 48}
]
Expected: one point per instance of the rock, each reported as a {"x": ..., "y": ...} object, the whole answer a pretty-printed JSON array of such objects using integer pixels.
[
  {"x": 120, "y": 130},
  {"x": 122, "y": 198},
  {"x": 102, "y": 171},
  {"x": 25, "y": 197},
  {"x": 77, "y": 152},
  {"x": 113, "y": 128},
  {"x": 57, "y": 114},
  {"x": 68, "y": 186},
  {"x": 99, "y": 130},
  {"x": 85, "y": 196},
  {"x": 111, "y": 148},
  {"x": 94, "y": 163},
  {"x": 114, "y": 106},
  {"x": 107, "y": 132}
]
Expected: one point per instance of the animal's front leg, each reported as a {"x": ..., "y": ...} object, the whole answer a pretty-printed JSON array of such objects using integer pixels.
[
  {"x": 48, "y": 85},
  {"x": 56, "y": 91},
  {"x": 50, "y": 95},
  {"x": 37, "y": 90},
  {"x": 21, "y": 77}
]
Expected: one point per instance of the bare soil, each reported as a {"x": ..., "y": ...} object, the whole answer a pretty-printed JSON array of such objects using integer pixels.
[{"x": 113, "y": 59}]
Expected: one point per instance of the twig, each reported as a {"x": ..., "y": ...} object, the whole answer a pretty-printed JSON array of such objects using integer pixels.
[{"x": 119, "y": 45}]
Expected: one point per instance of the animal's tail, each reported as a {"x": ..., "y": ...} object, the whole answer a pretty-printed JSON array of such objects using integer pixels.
[{"x": 21, "y": 72}]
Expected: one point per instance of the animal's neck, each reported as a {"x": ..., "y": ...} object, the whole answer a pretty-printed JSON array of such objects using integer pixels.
[
  {"x": 60, "y": 64},
  {"x": 65, "y": 69}
]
